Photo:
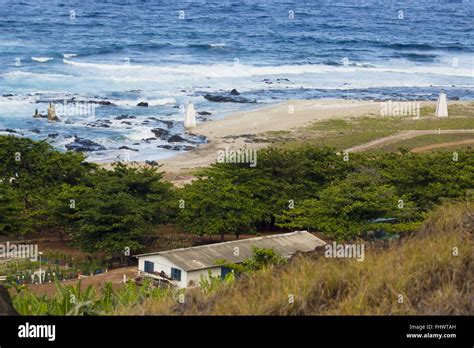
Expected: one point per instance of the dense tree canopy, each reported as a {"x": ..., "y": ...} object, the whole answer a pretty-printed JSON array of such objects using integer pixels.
[
  {"x": 317, "y": 188},
  {"x": 115, "y": 208},
  {"x": 42, "y": 189},
  {"x": 217, "y": 206}
]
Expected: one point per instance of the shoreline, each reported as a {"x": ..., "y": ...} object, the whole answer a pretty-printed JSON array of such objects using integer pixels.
[{"x": 242, "y": 128}]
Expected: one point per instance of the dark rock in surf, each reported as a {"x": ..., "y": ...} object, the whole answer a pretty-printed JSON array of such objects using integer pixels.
[
  {"x": 226, "y": 99},
  {"x": 143, "y": 104},
  {"x": 176, "y": 139},
  {"x": 160, "y": 133},
  {"x": 124, "y": 117},
  {"x": 234, "y": 92},
  {"x": 176, "y": 147},
  {"x": 84, "y": 145},
  {"x": 100, "y": 124},
  {"x": 197, "y": 139},
  {"x": 169, "y": 124},
  {"x": 127, "y": 148}
]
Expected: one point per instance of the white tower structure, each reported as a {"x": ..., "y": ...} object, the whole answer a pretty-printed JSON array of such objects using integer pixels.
[
  {"x": 442, "y": 106},
  {"x": 190, "y": 120}
]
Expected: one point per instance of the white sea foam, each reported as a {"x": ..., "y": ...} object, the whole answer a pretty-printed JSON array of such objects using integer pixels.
[
  {"x": 69, "y": 55},
  {"x": 149, "y": 73},
  {"x": 41, "y": 59},
  {"x": 141, "y": 133},
  {"x": 102, "y": 66},
  {"x": 161, "y": 101},
  {"x": 28, "y": 74},
  {"x": 217, "y": 45}
]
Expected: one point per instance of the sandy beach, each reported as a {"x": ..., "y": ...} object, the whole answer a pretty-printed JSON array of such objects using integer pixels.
[{"x": 237, "y": 130}]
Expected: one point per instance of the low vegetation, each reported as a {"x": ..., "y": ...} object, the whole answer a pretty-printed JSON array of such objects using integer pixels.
[
  {"x": 426, "y": 140},
  {"x": 345, "y": 133},
  {"x": 430, "y": 272}
]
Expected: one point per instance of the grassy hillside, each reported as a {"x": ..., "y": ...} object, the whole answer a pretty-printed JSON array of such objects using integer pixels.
[{"x": 419, "y": 275}]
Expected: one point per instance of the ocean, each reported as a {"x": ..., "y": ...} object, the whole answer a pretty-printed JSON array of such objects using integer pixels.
[{"x": 96, "y": 60}]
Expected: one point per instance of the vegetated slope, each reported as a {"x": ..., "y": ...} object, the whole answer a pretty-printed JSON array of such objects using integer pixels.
[{"x": 430, "y": 272}]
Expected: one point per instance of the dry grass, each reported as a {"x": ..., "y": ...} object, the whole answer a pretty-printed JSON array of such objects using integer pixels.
[{"x": 421, "y": 268}]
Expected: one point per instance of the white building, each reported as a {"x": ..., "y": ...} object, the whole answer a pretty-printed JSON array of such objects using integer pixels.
[{"x": 186, "y": 266}]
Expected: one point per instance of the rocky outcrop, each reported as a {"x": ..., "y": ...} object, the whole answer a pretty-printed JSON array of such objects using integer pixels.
[
  {"x": 9, "y": 130},
  {"x": 143, "y": 104},
  {"x": 84, "y": 145},
  {"x": 176, "y": 138},
  {"x": 52, "y": 117},
  {"x": 125, "y": 117},
  {"x": 169, "y": 124},
  {"x": 227, "y": 99},
  {"x": 74, "y": 101},
  {"x": 39, "y": 115},
  {"x": 127, "y": 148},
  {"x": 161, "y": 133},
  {"x": 100, "y": 124},
  {"x": 176, "y": 147}
]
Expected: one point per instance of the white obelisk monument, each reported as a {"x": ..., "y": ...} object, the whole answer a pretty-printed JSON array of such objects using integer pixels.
[
  {"x": 190, "y": 120},
  {"x": 442, "y": 106}
]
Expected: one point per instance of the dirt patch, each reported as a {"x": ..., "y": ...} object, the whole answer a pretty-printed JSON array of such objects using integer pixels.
[
  {"x": 404, "y": 136},
  {"x": 441, "y": 145}
]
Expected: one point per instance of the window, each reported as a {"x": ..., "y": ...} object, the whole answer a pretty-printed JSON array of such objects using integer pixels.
[
  {"x": 176, "y": 274},
  {"x": 225, "y": 271},
  {"x": 149, "y": 267}
]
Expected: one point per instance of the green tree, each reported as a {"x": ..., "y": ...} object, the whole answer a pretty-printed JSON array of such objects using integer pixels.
[
  {"x": 116, "y": 209},
  {"x": 217, "y": 206},
  {"x": 345, "y": 208},
  {"x": 11, "y": 220}
]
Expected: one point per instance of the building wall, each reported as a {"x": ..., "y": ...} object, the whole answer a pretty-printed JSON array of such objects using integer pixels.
[
  {"x": 162, "y": 264},
  {"x": 195, "y": 276}
]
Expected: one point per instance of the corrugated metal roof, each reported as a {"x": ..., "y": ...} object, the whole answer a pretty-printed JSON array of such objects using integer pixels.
[{"x": 205, "y": 256}]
